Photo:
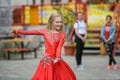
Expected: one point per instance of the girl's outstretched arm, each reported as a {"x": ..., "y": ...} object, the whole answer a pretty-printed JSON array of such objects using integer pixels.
[{"x": 29, "y": 32}]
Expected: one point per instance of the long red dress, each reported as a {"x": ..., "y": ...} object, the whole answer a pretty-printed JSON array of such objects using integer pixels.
[{"x": 47, "y": 70}]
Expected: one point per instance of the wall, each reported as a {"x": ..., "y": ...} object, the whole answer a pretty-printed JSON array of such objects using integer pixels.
[{"x": 23, "y": 2}]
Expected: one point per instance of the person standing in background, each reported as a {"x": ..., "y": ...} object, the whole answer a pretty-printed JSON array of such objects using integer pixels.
[
  {"x": 107, "y": 35},
  {"x": 81, "y": 34}
]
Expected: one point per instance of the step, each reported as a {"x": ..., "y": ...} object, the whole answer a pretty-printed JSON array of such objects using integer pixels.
[
  {"x": 92, "y": 52},
  {"x": 92, "y": 49},
  {"x": 94, "y": 29},
  {"x": 93, "y": 40},
  {"x": 92, "y": 34},
  {"x": 92, "y": 45}
]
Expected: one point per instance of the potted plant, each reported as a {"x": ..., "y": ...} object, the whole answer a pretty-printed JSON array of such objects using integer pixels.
[
  {"x": 69, "y": 49},
  {"x": 70, "y": 44}
]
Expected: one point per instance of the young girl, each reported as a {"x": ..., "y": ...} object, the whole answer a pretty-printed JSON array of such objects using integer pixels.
[
  {"x": 81, "y": 34},
  {"x": 51, "y": 66},
  {"x": 107, "y": 35}
]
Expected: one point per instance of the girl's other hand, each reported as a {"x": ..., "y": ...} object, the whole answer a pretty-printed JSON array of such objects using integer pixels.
[
  {"x": 83, "y": 39},
  {"x": 15, "y": 34},
  {"x": 56, "y": 60},
  {"x": 12, "y": 34},
  {"x": 19, "y": 35}
]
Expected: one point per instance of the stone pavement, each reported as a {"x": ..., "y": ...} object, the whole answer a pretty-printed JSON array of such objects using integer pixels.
[{"x": 17, "y": 69}]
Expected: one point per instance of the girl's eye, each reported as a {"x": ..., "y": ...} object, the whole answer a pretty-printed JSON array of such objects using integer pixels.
[{"x": 59, "y": 22}]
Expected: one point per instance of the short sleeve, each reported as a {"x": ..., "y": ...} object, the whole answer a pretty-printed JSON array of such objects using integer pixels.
[{"x": 75, "y": 25}]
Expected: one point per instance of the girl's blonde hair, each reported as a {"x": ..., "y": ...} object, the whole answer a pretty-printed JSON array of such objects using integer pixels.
[{"x": 51, "y": 19}]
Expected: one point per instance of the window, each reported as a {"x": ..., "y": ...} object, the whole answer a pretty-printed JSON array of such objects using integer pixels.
[{"x": 4, "y": 16}]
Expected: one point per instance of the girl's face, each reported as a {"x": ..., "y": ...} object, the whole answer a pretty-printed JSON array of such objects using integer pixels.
[
  {"x": 57, "y": 24},
  {"x": 80, "y": 16},
  {"x": 108, "y": 19}
]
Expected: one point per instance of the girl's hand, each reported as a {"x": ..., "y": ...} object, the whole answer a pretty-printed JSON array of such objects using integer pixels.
[
  {"x": 83, "y": 39},
  {"x": 15, "y": 34},
  {"x": 12, "y": 34},
  {"x": 18, "y": 35},
  {"x": 56, "y": 60},
  {"x": 106, "y": 41}
]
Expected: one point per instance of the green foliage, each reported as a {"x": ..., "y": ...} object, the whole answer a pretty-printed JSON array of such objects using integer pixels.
[{"x": 67, "y": 13}]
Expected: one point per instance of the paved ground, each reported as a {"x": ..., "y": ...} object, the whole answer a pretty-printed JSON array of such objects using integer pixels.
[{"x": 17, "y": 69}]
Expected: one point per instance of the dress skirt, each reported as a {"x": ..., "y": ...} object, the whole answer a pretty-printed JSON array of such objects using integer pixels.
[{"x": 57, "y": 71}]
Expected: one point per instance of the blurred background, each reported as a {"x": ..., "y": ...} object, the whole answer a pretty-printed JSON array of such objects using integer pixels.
[{"x": 34, "y": 14}]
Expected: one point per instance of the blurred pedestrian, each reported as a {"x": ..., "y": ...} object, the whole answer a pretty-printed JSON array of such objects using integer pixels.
[
  {"x": 81, "y": 34},
  {"x": 107, "y": 35}
]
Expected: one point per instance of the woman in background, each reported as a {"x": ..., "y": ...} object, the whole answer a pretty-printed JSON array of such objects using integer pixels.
[
  {"x": 107, "y": 35},
  {"x": 81, "y": 34}
]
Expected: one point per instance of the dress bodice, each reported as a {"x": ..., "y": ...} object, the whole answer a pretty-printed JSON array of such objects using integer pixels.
[{"x": 53, "y": 41}]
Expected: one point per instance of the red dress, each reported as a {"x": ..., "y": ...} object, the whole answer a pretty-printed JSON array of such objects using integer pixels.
[{"x": 47, "y": 70}]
